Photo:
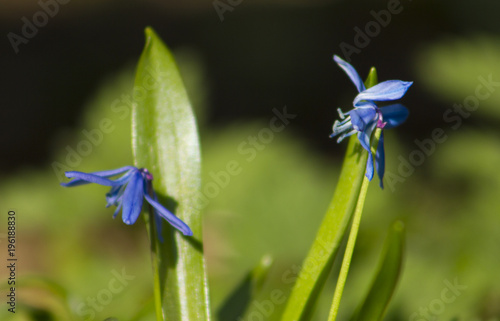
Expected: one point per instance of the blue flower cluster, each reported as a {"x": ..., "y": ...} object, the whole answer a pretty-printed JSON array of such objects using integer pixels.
[
  {"x": 128, "y": 193},
  {"x": 366, "y": 115}
]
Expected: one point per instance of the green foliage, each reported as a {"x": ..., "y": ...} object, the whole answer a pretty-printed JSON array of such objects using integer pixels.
[
  {"x": 326, "y": 245},
  {"x": 377, "y": 299},
  {"x": 165, "y": 140},
  {"x": 249, "y": 289},
  {"x": 454, "y": 68},
  {"x": 319, "y": 261},
  {"x": 265, "y": 205}
]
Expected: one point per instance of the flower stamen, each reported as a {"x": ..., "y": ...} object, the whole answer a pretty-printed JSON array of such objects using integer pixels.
[{"x": 341, "y": 114}]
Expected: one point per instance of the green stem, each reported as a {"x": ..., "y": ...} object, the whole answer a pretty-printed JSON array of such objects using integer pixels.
[
  {"x": 346, "y": 262},
  {"x": 155, "y": 262},
  {"x": 351, "y": 241}
]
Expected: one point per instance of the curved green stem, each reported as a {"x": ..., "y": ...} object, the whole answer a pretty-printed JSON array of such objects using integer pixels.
[
  {"x": 346, "y": 262},
  {"x": 351, "y": 241}
]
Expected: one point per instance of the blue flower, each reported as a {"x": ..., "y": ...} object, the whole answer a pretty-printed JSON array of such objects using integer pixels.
[
  {"x": 366, "y": 115},
  {"x": 127, "y": 193}
]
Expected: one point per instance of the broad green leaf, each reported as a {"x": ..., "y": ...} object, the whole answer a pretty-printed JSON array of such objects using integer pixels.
[
  {"x": 321, "y": 256},
  {"x": 249, "y": 288},
  {"x": 386, "y": 277},
  {"x": 165, "y": 141}
]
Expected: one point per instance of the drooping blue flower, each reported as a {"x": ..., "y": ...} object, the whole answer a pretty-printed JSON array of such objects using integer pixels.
[
  {"x": 366, "y": 115},
  {"x": 127, "y": 194}
]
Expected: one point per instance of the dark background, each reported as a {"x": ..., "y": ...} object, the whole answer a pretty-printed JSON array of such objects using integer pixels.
[{"x": 262, "y": 55}]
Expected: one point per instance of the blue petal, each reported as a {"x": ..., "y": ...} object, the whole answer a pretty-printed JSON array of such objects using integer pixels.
[
  {"x": 394, "y": 115},
  {"x": 114, "y": 172},
  {"x": 118, "y": 208},
  {"x": 365, "y": 138},
  {"x": 351, "y": 72},
  {"x": 380, "y": 159},
  {"x": 114, "y": 195},
  {"x": 171, "y": 218},
  {"x": 85, "y": 178},
  {"x": 82, "y": 178},
  {"x": 362, "y": 117},
  {"x": 369, "y": 167},
  {"x": 387, "y": 90},
  {"x": 132, "y": 199}
]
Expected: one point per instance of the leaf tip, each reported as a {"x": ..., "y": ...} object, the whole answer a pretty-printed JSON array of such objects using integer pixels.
[
  {"x": 150, "y": 34},
  {"x": 149, "y": 31},
  {"x": 372, "y": 78}
]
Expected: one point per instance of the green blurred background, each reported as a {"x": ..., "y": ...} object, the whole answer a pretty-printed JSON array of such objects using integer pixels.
[{"x": 264, "y": 55}]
